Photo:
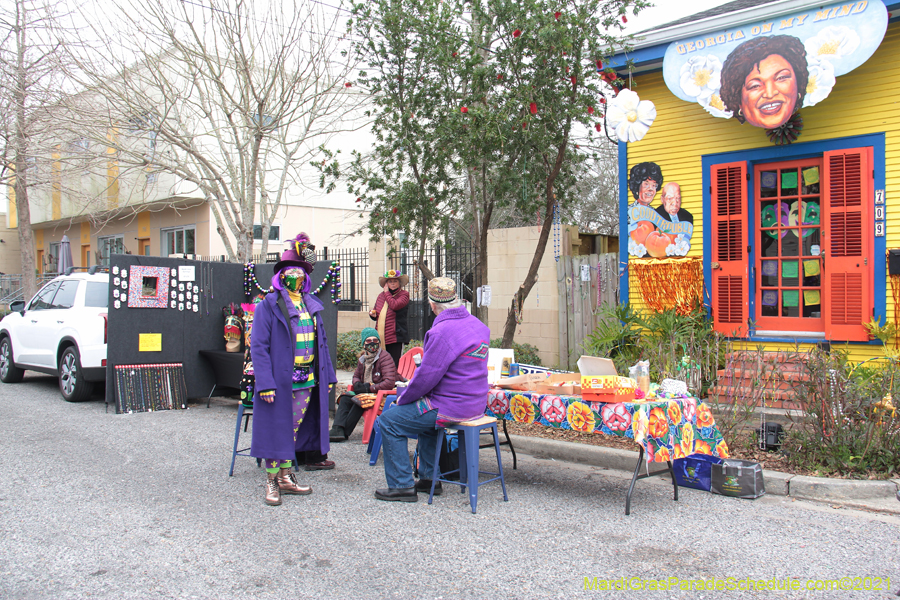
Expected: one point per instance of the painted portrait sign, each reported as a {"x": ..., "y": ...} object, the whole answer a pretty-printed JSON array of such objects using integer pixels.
[
  {"x": 657, "y": 231},
  {"x": 763, "y": 72}
]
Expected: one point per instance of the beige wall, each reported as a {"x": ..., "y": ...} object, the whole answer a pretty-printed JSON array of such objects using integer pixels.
[
  {"x": 327, "y": 227},
  {"x": 510, "y": 253},
  {"x": 10, "y": 258}
]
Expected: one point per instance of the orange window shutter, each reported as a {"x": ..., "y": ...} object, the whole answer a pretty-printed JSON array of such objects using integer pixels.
[
  {"x": 729, "y": 248},
  {"x": 847, "y": 275}
]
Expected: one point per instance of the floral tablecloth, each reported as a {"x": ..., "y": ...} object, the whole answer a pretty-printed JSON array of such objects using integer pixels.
[{"x": 667, "y": 429}]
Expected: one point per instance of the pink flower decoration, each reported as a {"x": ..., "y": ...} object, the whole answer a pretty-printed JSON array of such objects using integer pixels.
[
  {"x": 498, "y": 403},
  {"x": 616, "y": 417},
  {"x": 553, "y": 409}
]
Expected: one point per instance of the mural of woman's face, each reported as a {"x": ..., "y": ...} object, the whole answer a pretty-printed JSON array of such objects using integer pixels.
[
  {"x": 648, "y": 191},
  {"x": 769, "y": 95}
]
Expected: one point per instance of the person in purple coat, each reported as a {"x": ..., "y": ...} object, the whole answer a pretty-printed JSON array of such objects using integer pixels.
[
  {"x": 450, "y": 386},
  {"x": 293, "y": 373}
]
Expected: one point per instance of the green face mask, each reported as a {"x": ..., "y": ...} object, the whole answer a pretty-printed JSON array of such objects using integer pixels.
[{"x": 293, "y": 279}]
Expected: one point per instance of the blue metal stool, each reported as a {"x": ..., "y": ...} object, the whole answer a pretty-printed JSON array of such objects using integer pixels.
[
  {"x": 468, "y": 456},
  {"x": 244, "y": 412}
]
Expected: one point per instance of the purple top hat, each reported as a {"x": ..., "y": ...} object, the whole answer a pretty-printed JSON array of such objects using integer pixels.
[{"x": 301, "y": 253}]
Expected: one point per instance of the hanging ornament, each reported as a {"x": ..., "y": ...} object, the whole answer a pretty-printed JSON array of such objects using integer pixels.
[
  {"x": 557, "y": 15},
  {"x": 590, "y": 110},
  {"x": 599, "y": 65},
  {"x": 624, "y": 19},
  {"x": 517, "y": 33},
  {"x": 788, "y": 132},
  {"x": 348, "y": 84},
  {"x": 464, "y": 109},
  {"x": 533, "y": 108}
]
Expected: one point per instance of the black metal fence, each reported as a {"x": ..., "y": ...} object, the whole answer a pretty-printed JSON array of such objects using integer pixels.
[
  {"x": 445, "y": 260},
  {"x": 354, "y": 264}
]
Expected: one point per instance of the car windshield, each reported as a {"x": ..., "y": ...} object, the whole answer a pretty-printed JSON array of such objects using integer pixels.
[{"x": 97, "y": 294}]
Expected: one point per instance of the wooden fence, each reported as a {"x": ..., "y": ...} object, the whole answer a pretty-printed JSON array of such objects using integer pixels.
[{"x": 586, "y": 284}]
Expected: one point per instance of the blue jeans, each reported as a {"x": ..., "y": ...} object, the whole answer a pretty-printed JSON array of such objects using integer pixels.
[{"x": 398, "y": 424}]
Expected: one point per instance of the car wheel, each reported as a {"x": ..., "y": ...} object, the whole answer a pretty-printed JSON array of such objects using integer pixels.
[
  {"x": 71, "y": 380},
  {"x": 9, "y": 372}
]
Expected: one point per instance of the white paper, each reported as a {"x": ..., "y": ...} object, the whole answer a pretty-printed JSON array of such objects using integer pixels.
[
  {"x": 186, "y": 273},
  {"x": 815, "y": 250},
  {"x": 585, "y": 272},
  {"x": 485, "y": 295},
  {"x": 496, "y": 359}
]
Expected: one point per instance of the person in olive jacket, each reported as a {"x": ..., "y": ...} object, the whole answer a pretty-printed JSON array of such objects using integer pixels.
[
  {"x": 374, "y": 372},
  {"x": 390, "y": 313}
]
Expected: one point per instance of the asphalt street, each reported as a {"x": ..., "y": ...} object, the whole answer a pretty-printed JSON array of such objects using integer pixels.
[{"x": 99, "y": 505}]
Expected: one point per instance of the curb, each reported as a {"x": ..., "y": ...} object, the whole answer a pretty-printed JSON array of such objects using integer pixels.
[{"x": 821, "y": 489}]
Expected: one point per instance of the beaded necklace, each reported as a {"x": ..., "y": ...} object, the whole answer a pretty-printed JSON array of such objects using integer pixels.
[
  {"x": 251, "y": 283},
  {"x": 334, "y": 275}
]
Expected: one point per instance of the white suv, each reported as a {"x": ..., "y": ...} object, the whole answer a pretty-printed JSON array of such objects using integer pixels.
[{"x": 62, "y": 331}]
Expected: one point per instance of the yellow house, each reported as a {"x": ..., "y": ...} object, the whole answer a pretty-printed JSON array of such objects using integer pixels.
[{"x": 770, "y": 166}]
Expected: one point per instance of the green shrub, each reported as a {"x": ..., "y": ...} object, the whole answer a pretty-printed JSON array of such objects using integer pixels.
[
  {"x": 845, "y": 432},
  {"x": 349, "y": 348},
  {"x": 523, "y": 353}
]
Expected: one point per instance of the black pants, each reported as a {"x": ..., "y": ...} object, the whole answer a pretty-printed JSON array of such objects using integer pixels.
[
  {"x": 346, "y": 416},
  {"x": 310, "y": 457},
  {"x": 395, "y": 350}
]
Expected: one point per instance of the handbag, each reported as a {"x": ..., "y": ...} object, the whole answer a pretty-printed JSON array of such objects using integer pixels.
[{"x": 365, "y": 401}]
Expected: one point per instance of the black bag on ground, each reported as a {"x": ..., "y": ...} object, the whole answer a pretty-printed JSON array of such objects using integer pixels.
[{"x": 738, "y": 478}]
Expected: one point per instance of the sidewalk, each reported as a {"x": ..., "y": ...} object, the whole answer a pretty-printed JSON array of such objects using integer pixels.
[{"x": 871, "y": 495}]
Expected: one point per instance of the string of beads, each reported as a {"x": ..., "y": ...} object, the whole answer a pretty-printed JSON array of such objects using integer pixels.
[
  {"x": 334, "y": 274},
  {"x": 251, "y": 283}
]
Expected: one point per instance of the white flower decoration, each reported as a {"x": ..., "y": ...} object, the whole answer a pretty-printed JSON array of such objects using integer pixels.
[
  {"x": 701, "y": 74},
  {"x": 821, "y": 81},
  {"x": 832, "y": 42},
  {"x": 681, "y": 247},
  {"x": 630, "y": 116},
  {"x": 635, "y": 249},
  {"x": 712, "y": 103}
]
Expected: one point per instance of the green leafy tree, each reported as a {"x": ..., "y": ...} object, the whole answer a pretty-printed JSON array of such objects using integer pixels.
[{"x": 475, "y": 108}]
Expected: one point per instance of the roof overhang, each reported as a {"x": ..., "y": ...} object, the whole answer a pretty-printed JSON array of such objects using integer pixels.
[
  {"x": 123, "y": 212},
  {"x": 649, "y": 49}
]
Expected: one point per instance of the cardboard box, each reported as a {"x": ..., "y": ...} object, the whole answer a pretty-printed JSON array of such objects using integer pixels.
[
  {"x": 522, "y": 382},
  {"x": 601, "y": 383},
  {"x": 566, "y": 384}
]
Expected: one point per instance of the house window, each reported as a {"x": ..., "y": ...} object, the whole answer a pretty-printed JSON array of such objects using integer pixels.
[
  {"x": 107, "y": 246},
  {"x": 179, "y": 240},
  {"x": 274, "y": 232},
  {"x": 805, "y": 269}
]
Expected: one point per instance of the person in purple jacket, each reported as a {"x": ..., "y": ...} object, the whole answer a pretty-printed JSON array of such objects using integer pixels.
[
  {"x": 293, "y": 373},
  {"x": 450, "y": 386}
]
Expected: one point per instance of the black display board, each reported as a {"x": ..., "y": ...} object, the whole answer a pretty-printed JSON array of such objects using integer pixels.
[{"x": 185, "y": 333}]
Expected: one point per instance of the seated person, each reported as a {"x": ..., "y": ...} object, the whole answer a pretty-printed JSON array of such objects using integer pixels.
[
  {"x": 450, "y": 386},
  {"x": 374, "y": 372}
]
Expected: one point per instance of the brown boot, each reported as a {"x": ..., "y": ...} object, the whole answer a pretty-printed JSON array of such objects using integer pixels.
[
  {"x": 287, "y": 483},
  {"x": 273, "y": 494}
]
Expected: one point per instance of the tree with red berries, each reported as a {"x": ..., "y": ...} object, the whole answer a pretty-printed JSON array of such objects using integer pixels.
[{"x": 475, "y": 105}]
